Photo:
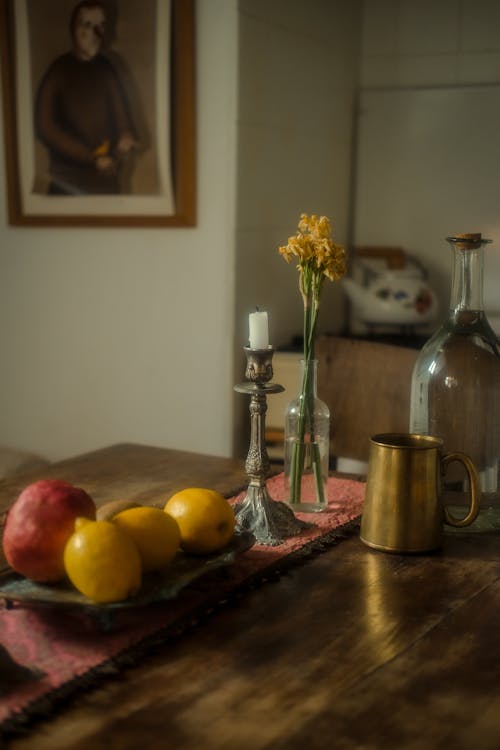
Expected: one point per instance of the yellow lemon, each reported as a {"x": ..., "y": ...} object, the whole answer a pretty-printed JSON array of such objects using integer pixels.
[
  {"x": 206, "y": 519},
  {"x": 102, "y": 562},
  {"x": 155, "y": 534}
]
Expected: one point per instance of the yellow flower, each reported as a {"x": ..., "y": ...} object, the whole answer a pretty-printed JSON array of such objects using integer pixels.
[
  {"x": 286, "y": 252},
  {"x": 323, "y": 227},
  {"x": 312, "y": 244}
]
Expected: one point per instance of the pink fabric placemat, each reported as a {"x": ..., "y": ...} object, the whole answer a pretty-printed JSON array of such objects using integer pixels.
[{"x": 67, "y": 653}]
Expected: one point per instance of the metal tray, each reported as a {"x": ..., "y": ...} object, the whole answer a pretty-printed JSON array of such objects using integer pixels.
[{"x": 156, "y": 587}]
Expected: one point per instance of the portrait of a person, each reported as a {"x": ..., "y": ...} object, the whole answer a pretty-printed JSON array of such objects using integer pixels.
[{"x": 82, "y": 115}]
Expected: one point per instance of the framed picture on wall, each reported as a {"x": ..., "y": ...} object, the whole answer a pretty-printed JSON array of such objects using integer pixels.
[{"x": 99, "y": 112}]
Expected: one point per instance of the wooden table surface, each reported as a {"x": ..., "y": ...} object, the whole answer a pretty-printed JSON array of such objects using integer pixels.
[{"x": 355, "y": 649}]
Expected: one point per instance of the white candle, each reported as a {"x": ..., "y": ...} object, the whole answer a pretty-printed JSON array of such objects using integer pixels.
[{"x": 259, "y": 331}]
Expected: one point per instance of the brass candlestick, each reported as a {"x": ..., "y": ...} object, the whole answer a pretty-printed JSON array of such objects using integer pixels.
[{"x": 270, "y": 521}]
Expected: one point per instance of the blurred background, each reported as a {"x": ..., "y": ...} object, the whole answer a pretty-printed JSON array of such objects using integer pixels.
[{"x": 381, "y": 114}]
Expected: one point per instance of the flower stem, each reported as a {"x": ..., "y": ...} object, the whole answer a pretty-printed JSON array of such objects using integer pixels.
[{"x": 306, "y": 409}]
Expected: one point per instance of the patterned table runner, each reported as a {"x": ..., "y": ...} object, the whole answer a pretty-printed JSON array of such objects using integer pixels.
[{"x": 57, "y": 653}]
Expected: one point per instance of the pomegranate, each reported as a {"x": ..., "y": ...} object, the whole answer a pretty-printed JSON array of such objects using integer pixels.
[{"x": 40, "y": 523}]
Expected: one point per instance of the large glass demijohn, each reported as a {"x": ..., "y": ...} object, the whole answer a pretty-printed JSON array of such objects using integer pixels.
[{"x": 455, "y": 390}]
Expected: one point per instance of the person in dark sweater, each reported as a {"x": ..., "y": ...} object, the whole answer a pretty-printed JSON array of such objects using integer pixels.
[{"x": 81, "y": 113}]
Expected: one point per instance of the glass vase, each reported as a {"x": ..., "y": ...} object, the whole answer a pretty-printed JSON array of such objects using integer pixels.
[
  {"x": 307, "y": 445},
  {"x": 455, "y": 390}
]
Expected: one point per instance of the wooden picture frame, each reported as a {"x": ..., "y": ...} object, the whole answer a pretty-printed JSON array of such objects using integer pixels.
[{"x": 169, "y": 198}]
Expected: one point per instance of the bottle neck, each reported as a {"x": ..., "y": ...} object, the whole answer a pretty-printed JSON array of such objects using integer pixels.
[
  {"x": 309, "y": 376},
  {"x": 467, "y": 279}
]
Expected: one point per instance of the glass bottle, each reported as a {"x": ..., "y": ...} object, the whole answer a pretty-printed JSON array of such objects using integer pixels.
[
  {"x": 455, "y": 389},
  {"x": 307, "y": 445}
]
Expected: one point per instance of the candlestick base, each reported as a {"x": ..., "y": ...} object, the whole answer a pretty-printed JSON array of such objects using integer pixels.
[{"x": 270, "y": 521}]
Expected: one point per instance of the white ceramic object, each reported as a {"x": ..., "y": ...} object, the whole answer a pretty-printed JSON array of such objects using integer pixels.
[{"x": 400, "y": 297}]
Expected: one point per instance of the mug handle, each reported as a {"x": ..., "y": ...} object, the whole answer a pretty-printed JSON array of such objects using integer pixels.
[{"x": 475, "y": 489}]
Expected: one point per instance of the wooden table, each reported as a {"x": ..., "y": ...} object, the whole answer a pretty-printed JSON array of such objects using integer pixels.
[{"x": 355, "y": 649}]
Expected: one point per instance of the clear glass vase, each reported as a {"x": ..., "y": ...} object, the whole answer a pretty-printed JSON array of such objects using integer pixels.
[
  {"x": 307, "y": 445},
  {"x": 455, "y": 390}
]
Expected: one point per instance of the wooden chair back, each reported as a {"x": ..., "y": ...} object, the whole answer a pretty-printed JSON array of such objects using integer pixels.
[{"x": 366, "y": 385}]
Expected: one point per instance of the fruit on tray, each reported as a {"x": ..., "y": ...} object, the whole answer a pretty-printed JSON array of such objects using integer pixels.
[
  {"x": 53, "y": 530},
  {"x": 102, "y": 561},
  {"x": 206, "y": 519},
  {"x": 39, "y": 524},
  {"x": 155, "y": 533}
]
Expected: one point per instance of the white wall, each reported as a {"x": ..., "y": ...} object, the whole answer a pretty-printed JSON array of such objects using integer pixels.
[
  {"x": 431, "y": 42},
  {"x": 423, "y": 173},
  {"x": 110, "y": 335},
  {"x": 428, "y": 132},
  {"x": 298, "y": 74}
]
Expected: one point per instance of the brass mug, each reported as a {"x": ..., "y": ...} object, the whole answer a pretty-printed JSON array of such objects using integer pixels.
[{"x": 403, "y": 509}]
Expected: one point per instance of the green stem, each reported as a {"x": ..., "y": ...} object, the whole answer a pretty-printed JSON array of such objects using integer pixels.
[
  {"x": 306, "y": 402},
  {"x": 297, "y": 459},
  {"x": 316, "y": 457}
]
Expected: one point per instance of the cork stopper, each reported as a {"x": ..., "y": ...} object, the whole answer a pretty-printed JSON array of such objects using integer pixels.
[{"x": 468, "y": 240}]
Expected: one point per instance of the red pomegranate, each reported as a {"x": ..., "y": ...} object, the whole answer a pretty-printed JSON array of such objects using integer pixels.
[{"x": 40, "y": 523}]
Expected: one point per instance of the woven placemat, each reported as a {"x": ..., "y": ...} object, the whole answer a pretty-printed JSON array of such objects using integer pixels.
[{"x": 46, "y": 656}]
